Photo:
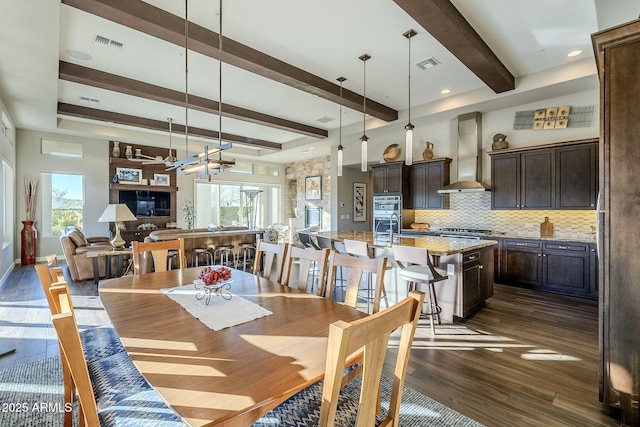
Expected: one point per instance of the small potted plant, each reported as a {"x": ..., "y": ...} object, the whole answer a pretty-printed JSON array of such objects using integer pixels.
[{"x": 189, "y": 213}]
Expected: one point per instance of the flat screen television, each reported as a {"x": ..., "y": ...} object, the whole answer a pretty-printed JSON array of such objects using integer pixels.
[{"x": 147, "y": 203}]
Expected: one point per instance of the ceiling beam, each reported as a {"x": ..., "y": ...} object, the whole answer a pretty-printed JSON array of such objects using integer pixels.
[
  {"x": 159, "y": 125},
  {"x": 447, "y": 25},
  {"x": 159, "y": 23},
  {"x": 96, "y": 78}
]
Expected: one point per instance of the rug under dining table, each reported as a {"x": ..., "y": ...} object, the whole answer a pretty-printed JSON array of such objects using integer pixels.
[{"x": 31, "y": 393}]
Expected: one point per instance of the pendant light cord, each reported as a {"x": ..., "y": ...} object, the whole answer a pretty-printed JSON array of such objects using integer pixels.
[
  {"x": 186, "y": 76},
  {"x": 409, "y": 68},
  {"x": 220, "y": 79}
]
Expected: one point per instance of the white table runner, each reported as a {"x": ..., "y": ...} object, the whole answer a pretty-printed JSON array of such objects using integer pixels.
[{"x": 219, "y": 313}]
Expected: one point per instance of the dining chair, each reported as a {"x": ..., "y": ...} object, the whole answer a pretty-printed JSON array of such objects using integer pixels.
[
  {"x": 109, "y": 393},
  {"x": 362, "y": 249},
  {"x": 159, "y": 254},
  {"x": 416, "y": 267},
  {"x": 354, "y": 269},
  {"x": 311, "y": 263},
  {"x": 270, "y": 259},
  {"x": 371, "y": 334}
]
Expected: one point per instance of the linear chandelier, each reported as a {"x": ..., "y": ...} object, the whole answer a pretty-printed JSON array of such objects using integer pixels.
[{"x": 209, "y": 162}]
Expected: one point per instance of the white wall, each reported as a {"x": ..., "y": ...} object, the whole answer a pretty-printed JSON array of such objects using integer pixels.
[{"x": 94, "y": 166}]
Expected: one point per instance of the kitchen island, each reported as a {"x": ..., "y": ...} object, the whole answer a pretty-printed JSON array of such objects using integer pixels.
[{"x": 468, "y": 262}]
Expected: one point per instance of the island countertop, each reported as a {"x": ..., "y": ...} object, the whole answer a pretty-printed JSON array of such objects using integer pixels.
[{"x": 439, "y": 246}]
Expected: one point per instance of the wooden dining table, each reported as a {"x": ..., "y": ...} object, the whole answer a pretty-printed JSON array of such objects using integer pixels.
[{"x": 229, "y": 377}]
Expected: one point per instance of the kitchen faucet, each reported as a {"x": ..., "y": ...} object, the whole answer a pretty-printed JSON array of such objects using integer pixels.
[{"x": 391, "y": 225}]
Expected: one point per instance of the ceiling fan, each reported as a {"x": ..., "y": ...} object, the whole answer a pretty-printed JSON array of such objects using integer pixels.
[{"x": 167, "y": 161}]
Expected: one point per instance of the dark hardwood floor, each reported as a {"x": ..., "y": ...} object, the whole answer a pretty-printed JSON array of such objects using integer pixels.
[{"x": 527, "y": 359}]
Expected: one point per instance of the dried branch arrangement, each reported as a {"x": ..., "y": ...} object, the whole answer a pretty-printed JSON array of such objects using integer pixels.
[{"x": 30, "y": 197}]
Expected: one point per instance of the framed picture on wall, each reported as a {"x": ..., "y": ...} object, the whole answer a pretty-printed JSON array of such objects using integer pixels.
[
  {"x": 162, "y": 179},
  {"x": 313, "y": 188},
  {"x": 359, "y": 202}
]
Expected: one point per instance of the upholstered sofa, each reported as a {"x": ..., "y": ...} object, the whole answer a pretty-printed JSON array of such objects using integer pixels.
[{"x": 75, "y": 245}]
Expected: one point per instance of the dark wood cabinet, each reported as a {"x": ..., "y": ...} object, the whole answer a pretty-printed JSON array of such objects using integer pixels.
[
  {"x": 565, "y": 267},
  {"x": 521, "y": 261},
  {"x": 425, "y": 179},
  {"x": 577, "y": 177},
  {"x": 537, "y": 180},
  {"x": 390, "y": 178},
  {"x": 618, "y": 56},
  {"x": 477, "y": 279},
  {"x": 554, "y": 176}
]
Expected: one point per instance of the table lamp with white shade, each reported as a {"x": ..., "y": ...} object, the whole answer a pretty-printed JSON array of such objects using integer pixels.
[{"x": 117, "y": 213}]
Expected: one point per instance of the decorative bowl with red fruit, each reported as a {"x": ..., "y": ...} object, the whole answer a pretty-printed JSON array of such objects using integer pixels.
[{"x": 214, "y": 280}]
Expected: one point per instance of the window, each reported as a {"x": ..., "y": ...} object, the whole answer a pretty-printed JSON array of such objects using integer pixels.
[
  {"x": 224, "y": 204},
  {"x": 62, "y": 202},
  {"x": 7, "y": 203}
]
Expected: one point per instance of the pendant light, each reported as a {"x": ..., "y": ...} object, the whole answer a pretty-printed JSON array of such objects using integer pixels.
[
  {"x": 340, "y": 147},
  {"x": 170, "y": 159},
  {"x": 409, "y": 127},
  {"x": 363, "y": 138}
]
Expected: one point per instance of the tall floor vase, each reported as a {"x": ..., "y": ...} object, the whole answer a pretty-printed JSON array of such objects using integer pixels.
[{"x": 29, "y": 236}]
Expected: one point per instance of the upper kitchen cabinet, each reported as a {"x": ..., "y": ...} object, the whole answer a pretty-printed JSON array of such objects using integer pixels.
[
  {"x": 425, "y": 179},
  {"x": 577, "y": 176},
  {"x": 390, "y": 178},
  {"x": 555, "y": 176}
]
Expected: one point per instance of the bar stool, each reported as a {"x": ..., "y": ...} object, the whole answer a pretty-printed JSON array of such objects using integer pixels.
[
  {"x": 416, "y": 268},
  {"x": 201, "y": 253},
  {"x": 172, "y": 257},
  {"x": 248, "y": 255},
  {"x": 326, "y": 242},
  {"x": 223, "y": 253},
  {"x": 362, "y": 250}
]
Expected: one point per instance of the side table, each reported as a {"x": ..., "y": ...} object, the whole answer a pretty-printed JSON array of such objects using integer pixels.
[{"x": 120, "y": 253}]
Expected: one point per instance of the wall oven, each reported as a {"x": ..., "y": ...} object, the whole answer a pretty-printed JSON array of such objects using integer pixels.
[{"x": 387, "y": 214}]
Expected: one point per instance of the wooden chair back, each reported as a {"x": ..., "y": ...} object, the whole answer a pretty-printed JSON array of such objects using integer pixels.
[
  {"x": 410, "y": 255},
  {"x": 354, "y": 268},
  {"x": 372, "y": 334},
  {"x": 159, "y": 253},
  {"x": 309, "y": 262},
  {"x": 71, "y": 345},
  {"x": 270, "y": 256},
  {"x": 52, "y": 278}
]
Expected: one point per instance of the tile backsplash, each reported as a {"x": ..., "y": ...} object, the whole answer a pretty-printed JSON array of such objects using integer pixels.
[{"x": 473, "y": 210}]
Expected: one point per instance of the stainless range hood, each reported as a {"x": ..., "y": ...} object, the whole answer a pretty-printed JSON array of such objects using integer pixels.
[{"x": 469, "y": 156}]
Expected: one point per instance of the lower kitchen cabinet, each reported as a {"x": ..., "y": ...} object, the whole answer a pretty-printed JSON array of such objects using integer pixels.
[{"x": 568, "y": 268}]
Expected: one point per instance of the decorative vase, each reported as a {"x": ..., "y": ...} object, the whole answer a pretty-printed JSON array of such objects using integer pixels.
[
  {"x": 138, "y": 154},
  {"x": 427, "y": 154},
  {"x": 29, "y": 236},
  {"x": 128, "y": 152},
  {"x": 116, "y": 149},
  {"x": 115, "y": 179}
]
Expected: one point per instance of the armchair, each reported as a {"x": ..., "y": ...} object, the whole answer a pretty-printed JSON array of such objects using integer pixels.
[{"x": 75, "y": 245}]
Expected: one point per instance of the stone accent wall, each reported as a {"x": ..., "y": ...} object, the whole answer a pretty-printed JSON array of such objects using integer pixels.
[
  {"x": 474, "y": 211},
  {"x": 295, "y": 174}
]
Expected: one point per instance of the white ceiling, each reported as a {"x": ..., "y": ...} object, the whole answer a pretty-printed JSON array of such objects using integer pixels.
[{"x": 324, "y": 38}]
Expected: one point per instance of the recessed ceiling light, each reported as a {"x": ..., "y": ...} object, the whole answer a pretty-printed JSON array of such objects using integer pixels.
[
  {"x": 445, "y": 91},
  {"x": 574, "y": 53},
  {"x": 304, "y": 152},
  {"x": 312, "y": 148},
  {"x": 78, "y": 54}
]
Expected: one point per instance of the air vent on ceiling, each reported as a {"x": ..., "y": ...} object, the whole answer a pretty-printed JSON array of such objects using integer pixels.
[
  {"x": 108, "y": 43},
  {"x": 89, "y": 100},
  {"x": 427, "y": 63},
  {"x": 325, "y": 119}
]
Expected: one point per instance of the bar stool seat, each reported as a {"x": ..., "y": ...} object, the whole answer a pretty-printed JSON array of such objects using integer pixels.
[
  {"x": 201, "y": 253},
  {"x": 416, "y": 268},
  {"x": 224, "y": 255}
]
